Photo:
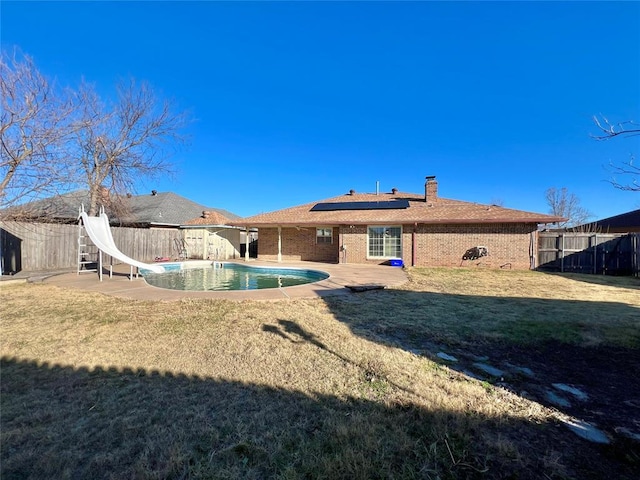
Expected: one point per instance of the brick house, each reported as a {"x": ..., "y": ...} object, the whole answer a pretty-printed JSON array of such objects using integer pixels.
[{"x": 420, "y": 229}]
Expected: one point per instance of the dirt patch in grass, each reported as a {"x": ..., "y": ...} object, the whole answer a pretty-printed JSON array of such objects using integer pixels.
[{"x": 96, "y": 387}]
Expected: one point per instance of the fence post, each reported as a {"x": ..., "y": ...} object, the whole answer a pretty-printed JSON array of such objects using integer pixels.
[
  {"x": 562, "y": 253},
  {"x": 635, "y": 260},
  {"x": 595, "y": 253}
]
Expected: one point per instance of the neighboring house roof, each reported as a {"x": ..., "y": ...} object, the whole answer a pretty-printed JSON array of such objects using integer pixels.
[
  {"x": 625, "y": 222},
  {"x": 61, "y": 207},
  {"x": 152, "y": 209},
  {"x": 436, "y": 211},
  {"x": 167, "y": 209}
]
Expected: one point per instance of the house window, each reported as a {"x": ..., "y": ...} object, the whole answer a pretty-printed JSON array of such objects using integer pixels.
[
  {"x": 385, "y": 242},
  {"x": 324, "y": 235}
]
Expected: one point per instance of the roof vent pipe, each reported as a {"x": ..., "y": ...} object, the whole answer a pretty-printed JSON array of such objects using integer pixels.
[
  {"x": 377, "y": 188},
  {"x": 352, "y": 192},
  {"x": 394, "y": 191}
]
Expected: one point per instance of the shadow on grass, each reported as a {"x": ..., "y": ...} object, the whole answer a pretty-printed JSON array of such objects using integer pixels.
[
  {"x": 529, "y": 344},
  {"x": 629, "y": 282},
  {"x": 61, "y": 422},
  {"x": 294, "y": 333}
]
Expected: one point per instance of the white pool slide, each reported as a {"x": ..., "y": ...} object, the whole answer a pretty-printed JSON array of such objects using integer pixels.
[{"x": 99, "y": 232}]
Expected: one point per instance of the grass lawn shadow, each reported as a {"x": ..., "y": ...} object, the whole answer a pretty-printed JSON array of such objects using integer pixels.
[
  {"x": 63, "y": 422},
  {"x": 629, "y": 282},
  {"x": 530, "y": 343}
]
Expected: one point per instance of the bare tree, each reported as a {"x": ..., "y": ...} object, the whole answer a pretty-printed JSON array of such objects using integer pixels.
[
  {"x": 628, "y": 168},
  {"x": 33, "y": 128},
  {"x": 609, "y": 130},
  {"x": 118, "y": 143},
  {"x": 564, "y": 204},
  {"x": 54, "y": 140}
]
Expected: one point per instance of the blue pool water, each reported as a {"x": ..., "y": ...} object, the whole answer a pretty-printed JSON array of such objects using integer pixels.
[{"x": 210, "y": 276}]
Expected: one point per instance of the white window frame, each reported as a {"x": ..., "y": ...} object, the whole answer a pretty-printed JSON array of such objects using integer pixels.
[
  {"x": 323, "y": 230},
  {"x": 399, "y": 255}
]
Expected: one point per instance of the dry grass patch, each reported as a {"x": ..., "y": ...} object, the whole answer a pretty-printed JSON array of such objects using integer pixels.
[
  {"x": 97, "y": 387},
  {"x": 464, "y": 306}
]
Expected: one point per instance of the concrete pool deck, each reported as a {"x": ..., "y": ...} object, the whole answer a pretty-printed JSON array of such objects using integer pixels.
[{"x": 341, "y": 275}]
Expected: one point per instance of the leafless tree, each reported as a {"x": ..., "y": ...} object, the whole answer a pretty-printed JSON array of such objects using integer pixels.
[
  {"x": 118, "y": 143},
  {"x": 564, "y": 204},
  {"x": 54, "y": 140},
  {"x": 33, "y": 128},
  {"x": 609, "y": 130},
  {"x": 627, "y": 169}
]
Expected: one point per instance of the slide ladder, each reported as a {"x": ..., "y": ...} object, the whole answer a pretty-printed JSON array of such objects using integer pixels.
[
  {"x": 180, "y": 245},
  {"x": 87, "y": 252},
  {"x": 98, "y": 230}
]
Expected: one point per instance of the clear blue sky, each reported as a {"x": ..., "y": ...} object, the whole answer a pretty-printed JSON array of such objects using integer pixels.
[{"x": 301, "y": 101}]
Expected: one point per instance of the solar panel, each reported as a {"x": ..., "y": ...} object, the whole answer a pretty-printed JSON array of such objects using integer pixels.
[{"x": 384, "y": 205}]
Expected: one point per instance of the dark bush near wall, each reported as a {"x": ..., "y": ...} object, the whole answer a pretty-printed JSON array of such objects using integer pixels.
[
  {"x": 475, "y": 252},
  {"x": 603, "y": 254}
]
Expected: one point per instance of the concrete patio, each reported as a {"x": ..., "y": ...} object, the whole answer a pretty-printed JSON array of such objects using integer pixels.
[{"x": 341, "y": 275}]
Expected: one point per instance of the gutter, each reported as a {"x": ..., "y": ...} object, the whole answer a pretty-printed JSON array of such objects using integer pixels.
[
  {"x": 185, "y": 227},
  {"x": 155, "y": 224},
  {"x": 404, "y": 222}
]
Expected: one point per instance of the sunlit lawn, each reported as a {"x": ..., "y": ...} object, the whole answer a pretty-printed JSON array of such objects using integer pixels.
[{"x": 98, "y": 387}]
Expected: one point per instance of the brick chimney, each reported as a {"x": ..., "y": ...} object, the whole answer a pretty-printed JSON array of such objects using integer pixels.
[{"x": 431, "y": 189}]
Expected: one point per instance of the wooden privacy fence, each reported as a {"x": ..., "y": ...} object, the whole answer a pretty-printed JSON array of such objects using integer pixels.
[
  {"x": 596, "y": 253},
  {"x": 28, "y": 246}
]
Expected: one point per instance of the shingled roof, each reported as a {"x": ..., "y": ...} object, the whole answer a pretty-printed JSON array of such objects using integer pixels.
[
  {"x": 438, "y": 211},
  {"x": 59, "y": 208},
  {"x": 208, "y": 218},
  {"x": 625, "y": 222},
  {"x": 168, "y": 209}
]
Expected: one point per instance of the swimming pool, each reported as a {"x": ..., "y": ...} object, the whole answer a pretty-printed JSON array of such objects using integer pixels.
[{"x": 206, "y": 276}]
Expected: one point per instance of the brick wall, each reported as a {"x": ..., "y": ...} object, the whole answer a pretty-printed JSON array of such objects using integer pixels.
[
  {"x": 444, "y": 245},
  {"x": 354, "y": 240},
  {"x": 296, "y": 245},
  {"x": 437, "y": 245}
]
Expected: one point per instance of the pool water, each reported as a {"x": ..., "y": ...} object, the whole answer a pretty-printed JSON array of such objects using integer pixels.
[{"x": 211, "y": 276}]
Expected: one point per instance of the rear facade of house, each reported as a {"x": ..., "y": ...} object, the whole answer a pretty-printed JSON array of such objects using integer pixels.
[
  {"x": 419, "y": 229},
  {"x": 507, "y": 245}
]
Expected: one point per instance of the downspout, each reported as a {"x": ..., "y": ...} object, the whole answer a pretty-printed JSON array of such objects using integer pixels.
[
  {"x": 414, "y": 246},
  {"x": 279, "y": 244},
  {"x": 533, "y": 251},
  {"x": 343, "y": 247}
]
